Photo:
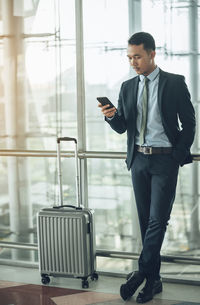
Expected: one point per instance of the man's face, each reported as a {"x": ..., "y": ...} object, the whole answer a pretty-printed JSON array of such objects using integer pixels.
[{"x": 141, "y": 60}]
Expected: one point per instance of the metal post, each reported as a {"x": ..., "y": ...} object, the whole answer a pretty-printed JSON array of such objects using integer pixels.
[
  {"x": 81, "y": 100},
  {"x": 193, "y": 36},
  {"x": 135, "y": 16},
  {"x": 135, "y": 20},
  {"x": 15, "y": 114}
]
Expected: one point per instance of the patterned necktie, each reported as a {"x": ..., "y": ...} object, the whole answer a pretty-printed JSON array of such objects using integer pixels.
[{"x": 144, "y": 111}]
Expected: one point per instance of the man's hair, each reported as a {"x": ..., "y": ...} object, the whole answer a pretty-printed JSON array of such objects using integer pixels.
[{"x": 145, "y": 38}]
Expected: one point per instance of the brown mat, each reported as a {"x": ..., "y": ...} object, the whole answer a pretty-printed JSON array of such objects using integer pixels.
[{"x": 32, "y": 295}]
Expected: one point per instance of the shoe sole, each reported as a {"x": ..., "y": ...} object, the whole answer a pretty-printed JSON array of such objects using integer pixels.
[
  {"x": 142, "y": 302},
  {"x": 156, "y": 291}
]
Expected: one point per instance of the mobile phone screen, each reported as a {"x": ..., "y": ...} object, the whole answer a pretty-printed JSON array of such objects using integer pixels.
[{"x": 105, "y": 101}]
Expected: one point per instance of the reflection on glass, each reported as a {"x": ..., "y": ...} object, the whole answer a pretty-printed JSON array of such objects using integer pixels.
[
  {"x": 27, "y": 185},
  {"x": 38, "y": 98},
  {"x": 111, "y": 196}
]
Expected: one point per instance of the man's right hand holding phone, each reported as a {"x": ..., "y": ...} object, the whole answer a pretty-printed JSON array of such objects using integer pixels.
[{"x": 109, "y": 113}]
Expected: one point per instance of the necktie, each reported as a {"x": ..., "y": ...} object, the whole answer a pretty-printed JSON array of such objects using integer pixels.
[{"x": 144, "y": 111}]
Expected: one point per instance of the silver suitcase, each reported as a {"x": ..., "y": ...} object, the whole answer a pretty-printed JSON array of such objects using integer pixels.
[{"x": 66, "y": 235}]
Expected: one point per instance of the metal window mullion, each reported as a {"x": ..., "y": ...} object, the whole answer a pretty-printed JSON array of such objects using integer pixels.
[
  {"x": 134, "y": 20},
  {"x": 193, "y": 59},
  {"x": 81, "y": 122},
  {"x": 135, "y": 25}
]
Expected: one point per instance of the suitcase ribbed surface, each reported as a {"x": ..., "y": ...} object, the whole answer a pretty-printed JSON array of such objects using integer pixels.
[{"x": 63, "y": 246}]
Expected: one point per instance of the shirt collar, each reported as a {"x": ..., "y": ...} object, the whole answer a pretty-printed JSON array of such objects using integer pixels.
[{"x": 152, "y": 75}]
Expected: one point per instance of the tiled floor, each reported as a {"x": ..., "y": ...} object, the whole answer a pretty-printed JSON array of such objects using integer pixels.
[
  {"x": 22, "y": 286},
  {"x": 18, "y": 294}
]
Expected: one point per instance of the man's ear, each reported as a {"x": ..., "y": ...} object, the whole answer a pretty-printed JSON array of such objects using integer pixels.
[{"x": 153, "y": 54}]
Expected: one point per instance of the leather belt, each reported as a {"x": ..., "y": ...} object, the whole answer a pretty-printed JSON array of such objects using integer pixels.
[{"x": 148, "y": 150}]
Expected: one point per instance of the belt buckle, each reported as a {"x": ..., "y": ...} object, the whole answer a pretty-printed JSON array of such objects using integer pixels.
[{"x": 148, "y": 151}]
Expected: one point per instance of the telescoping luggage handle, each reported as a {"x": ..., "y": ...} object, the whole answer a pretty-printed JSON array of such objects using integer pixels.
[{"x": 65, "y": 139}]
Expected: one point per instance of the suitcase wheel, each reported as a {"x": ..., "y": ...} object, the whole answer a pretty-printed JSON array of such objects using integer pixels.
[
  {"x": 45, "y": 279},
  {"x": 94, "y": 276},
  {"x": 85, "y": 284}
]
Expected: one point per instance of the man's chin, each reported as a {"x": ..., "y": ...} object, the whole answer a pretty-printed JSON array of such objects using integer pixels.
[{"x": 138, "y": 72}]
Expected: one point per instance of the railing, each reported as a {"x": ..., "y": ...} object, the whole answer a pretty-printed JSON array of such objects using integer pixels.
[
  {"x": 69, "y": 154},
  {"x": 105, "y": 253}
]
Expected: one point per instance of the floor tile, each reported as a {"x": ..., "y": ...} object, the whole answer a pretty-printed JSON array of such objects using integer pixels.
[
  {"x": 86, "y": 298},
  {"x": 187, "y": 303},
  {"x": 132, "y": 301},
  {"x": 107, "y": 285},
  {"x": 6, "y": 284},
  {"x": 12, "y": 293},
  {"x": 94, "y": 298}
]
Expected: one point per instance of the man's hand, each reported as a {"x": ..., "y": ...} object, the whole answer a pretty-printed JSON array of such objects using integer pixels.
[{"x": 107, "y": 112}]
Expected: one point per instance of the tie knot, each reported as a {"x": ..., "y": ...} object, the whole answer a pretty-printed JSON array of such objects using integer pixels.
[{"x": 146, "y": 79}]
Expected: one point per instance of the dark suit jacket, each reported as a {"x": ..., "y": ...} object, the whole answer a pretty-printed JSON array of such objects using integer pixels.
[{"x": 174, "y": 103}]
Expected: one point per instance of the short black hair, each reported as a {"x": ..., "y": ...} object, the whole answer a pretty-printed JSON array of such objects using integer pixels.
[{"x": 145, "y": 38}]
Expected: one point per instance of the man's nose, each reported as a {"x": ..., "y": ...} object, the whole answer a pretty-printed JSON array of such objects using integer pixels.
[{"x": 133, "y": 62}]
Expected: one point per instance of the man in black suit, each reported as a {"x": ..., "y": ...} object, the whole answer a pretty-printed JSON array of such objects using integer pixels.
[{"x": 149, "y": 108}]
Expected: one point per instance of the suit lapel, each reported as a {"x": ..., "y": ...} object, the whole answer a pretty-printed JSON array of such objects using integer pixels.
[
  {"x": 135, "y": 90},
  {"x": 161, "y": 85}
]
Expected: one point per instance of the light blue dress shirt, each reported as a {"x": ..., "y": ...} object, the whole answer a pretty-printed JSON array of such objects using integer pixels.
[{"x": 155, "y": 135}]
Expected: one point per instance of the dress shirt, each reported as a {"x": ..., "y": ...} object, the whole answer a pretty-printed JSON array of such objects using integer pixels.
[{"x": 155, "y": 135}]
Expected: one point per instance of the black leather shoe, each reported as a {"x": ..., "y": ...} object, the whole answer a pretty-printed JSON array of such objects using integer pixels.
[
  {"x": 157, "y": 286},
  {"x": 128, "y": 289},
  {"x": 149, "y": 290}
]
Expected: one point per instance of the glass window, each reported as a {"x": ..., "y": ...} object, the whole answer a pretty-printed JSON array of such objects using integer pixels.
[
  {"x": 44, "y": 90},
  {"x": 27, "y": 185},
  {"x": 106, "y": 66},
  {"x": 111, "y": 196}
]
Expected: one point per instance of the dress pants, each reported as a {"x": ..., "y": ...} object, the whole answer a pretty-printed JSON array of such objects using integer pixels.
[{"x": 154, "y": 180}]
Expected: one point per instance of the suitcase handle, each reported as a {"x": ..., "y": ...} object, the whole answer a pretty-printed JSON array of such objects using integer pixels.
[
  {"x": 67, "y": 206},
  {"x": 78, "y": 192},
  {"x": 66, "y": 139}
]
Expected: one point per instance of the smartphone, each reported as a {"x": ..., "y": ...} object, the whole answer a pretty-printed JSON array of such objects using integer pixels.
[{"x": 105, "y": 101}]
